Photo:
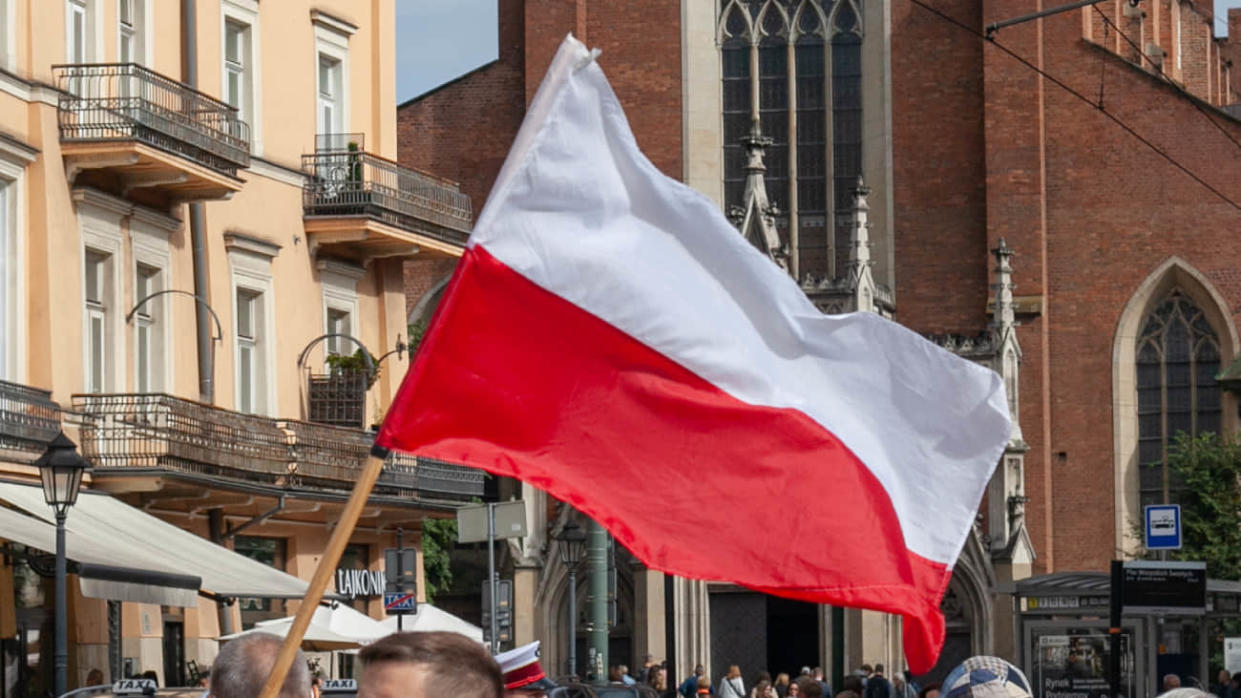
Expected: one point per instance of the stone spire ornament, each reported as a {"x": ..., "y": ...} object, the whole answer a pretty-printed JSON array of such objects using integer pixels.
[{"x": 756, "y": 217}]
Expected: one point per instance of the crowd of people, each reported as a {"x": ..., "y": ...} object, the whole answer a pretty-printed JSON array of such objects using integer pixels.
[
  {"x": 445, "y": 664},
  {"x": 866, "y": 682}
]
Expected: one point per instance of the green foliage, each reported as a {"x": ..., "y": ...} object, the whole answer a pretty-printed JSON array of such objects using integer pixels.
[
  {"x": 354, "y": 362},
  {"x": 438, "y": 538},
  {"x": 1211, "y": 502},
  {"x": 417, "y": 331}
]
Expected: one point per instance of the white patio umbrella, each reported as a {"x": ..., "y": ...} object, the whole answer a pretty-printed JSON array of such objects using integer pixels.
[
  {"x": 318, "y": 638},
  {"x": 429, "y": 617},
  {"x": 338, "y": 628}
]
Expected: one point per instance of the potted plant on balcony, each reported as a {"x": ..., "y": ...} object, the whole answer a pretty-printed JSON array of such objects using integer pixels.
[{"x": 338, "y": 397}]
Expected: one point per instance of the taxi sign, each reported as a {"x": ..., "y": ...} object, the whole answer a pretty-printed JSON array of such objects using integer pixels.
[
  {"x": 134, "y": 687},
  {"x": 339, "y": 686}
]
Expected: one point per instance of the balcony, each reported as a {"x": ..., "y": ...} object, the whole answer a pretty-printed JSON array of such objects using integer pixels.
[
  {"x": 150, "y": 434},
  {"x": 127, "y": 129},
  {"x": 28, "y": 419},
  {"x": 361, "y": 206}
]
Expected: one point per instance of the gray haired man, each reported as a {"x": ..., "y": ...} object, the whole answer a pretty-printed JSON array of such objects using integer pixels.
[{"x": 242, "y": 666}]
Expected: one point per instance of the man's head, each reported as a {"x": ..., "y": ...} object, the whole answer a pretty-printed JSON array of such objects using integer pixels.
[
  {"x": 1171, "y": 681},
  {"x": 698, "y": 670},
  {"x": 878, "y": 668},
  {"x": 867, "y": 670},
  {"x": 427, "y": 665},
  {"x": 241, "y": 668},
  {"x": 818, "y": 673}
]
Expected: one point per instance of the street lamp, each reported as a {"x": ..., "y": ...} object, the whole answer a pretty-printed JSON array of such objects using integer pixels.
[
  {"x": 61, "y": 469},
  {"x": 572, "y": 543}
]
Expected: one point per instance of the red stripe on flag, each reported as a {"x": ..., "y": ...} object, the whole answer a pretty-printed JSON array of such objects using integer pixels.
[{"x": 520, "y": 382}]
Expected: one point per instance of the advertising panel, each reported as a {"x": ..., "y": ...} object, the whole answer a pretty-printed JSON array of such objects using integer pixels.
[{"x": 1074, "y": 664}]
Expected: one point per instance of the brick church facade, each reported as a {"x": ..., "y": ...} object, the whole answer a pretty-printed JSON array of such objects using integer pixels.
[{"x": 1115, "y": 209}]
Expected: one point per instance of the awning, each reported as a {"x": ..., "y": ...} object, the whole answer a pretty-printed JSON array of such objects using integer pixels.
[{"x": 101, "y": 530}]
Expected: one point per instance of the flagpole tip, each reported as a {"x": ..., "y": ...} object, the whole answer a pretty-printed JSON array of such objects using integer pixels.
[{"x": 587, "y": 59}]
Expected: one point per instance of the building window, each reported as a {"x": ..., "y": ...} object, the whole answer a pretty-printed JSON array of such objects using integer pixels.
[
  {"x": 148, "y": 330},
  {"x": 795, "y": 67},
  {"x": 78, "y": 34},
  {"x": 331, "y": 111},
  {"x": 339, "y": 323},
  {"x": 98, "y": 293},
  {"x": 272, "y": 552},
  {"x": 251, "y": 363},
  {"x": 1178, "y": 357},
  {"x": 8, "y": 272},
  {"x": 356, "y": 556},
  {"x": 237, "y": 88},
  {"x": 131, "y": 20}
]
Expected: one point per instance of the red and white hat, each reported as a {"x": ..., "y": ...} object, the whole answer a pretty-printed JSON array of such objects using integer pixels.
[{"x": 522, "y": 670}]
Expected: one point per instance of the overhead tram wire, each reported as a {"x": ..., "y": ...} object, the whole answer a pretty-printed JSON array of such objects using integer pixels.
[
  {"x": 1168, "y": 78},
  {"x": 1062, "y": 85}
]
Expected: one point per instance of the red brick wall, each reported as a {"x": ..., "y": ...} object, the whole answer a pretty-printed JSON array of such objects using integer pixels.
[
  {"x": 463, "y": 130},
  {"x": 1090, "y": 211}
]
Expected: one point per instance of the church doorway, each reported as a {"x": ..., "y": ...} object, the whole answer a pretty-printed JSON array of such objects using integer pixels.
[{"x": 758, "y": 632}]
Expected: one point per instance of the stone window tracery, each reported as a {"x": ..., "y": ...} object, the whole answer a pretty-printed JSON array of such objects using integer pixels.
[
  {"x": 796, "y": 66},
  {"x": 1178, "y": 356}
]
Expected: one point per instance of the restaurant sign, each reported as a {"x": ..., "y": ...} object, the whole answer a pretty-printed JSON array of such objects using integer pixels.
[{"x": 359, "y": 583}]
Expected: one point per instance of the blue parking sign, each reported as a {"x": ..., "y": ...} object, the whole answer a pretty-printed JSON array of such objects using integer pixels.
[{"x": 1163, "y": 527}]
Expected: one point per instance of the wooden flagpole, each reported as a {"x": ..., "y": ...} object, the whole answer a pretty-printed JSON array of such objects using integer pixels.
[{"x": 324, "y": 572}]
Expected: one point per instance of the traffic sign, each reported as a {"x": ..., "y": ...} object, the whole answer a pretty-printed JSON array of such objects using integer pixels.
[
  {"x": 400, "y": 603},
  {"x": 1163, "y": 527},
  {"x": 401, "y": 569}
]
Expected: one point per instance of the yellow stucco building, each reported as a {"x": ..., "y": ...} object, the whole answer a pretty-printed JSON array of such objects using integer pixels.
[{"x": 193, "y": 193}]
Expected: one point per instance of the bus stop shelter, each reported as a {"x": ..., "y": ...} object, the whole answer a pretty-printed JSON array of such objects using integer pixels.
[{"x": 1062, "y": 637}]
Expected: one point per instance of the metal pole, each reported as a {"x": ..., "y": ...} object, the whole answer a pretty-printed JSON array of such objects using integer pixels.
[
  {"x": 670, "y": 628},
  {"x": 62, "y": 607},
  {"x": 597, "y": 557},
  {"x": 1113, "y": 658},
  {"x": 995, "y": 26},
  {"x": 572, "y": 620},
  {"x": 400, "y": 574},
  {"x": 491, "y": 575}
]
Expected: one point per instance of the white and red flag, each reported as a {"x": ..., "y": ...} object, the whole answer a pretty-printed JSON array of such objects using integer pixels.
[{"x": 610, "y": 338}]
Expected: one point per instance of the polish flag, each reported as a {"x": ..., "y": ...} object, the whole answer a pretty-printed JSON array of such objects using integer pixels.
[{"x": 610, "y": 338}]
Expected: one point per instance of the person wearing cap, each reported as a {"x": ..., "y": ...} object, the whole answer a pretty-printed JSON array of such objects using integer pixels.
[{"x": 523, "y": 675}]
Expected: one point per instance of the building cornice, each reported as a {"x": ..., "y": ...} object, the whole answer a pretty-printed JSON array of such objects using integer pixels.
[{"x": 235, "y": 241}]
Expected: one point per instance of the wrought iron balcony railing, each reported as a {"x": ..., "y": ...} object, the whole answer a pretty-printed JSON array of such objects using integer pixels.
[
  {"x": 125, "y": 101},
  {"x": 162, "y": 432},
  {"x": 28, "y": 418},
  {"x": 347, "y": 182}
]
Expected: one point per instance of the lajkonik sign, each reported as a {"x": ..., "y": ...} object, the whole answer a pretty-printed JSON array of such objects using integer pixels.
[{"x": 355, "y": 583}]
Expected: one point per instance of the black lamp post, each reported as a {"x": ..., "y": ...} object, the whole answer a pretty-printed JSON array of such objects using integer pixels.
[
  {"x": 61, "y": 468},
  {"x": 572, "y": 542}
]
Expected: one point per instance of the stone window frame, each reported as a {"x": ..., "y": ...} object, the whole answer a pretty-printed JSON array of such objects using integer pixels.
[
  {"x": 250, "y": 260},
  {"x": 14, "y": 158},
  {"x": 1172, "y": 273},
  {"x": 245, "y": 12},
  {"x": 332, "y": 43}
]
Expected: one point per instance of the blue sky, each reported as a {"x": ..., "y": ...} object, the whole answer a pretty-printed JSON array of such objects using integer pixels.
[{"x": 438, "y": 40}]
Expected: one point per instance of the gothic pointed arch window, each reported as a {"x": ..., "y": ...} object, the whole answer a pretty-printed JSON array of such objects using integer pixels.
[
  {"x": 796, "y": 67},
  {"x": 1177, "y": 356}
]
